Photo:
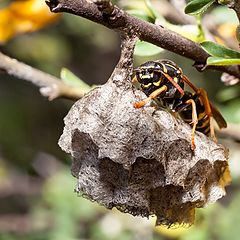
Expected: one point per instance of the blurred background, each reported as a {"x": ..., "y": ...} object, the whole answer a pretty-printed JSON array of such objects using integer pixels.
[{"x": 37, "y": 199}]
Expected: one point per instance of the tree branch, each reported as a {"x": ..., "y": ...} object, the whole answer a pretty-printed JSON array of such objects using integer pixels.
[
  {"x": 119, "y": 20},
  {"x": 50, "y": 86},
  {"x": 105, "y": 6}
]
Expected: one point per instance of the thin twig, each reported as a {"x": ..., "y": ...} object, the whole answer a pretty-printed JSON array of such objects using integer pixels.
[
  {"x": 50, "y": 86},
  {"x": 145, "y": 31}
]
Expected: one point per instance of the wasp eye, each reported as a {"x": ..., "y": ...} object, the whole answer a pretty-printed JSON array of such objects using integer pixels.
[
  {"x": 139, "y": 76},
  {"x": 150, "y": 70}
]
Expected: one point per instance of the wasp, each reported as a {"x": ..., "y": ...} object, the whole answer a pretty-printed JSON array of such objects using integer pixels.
[{"x": 164, "y": 81}]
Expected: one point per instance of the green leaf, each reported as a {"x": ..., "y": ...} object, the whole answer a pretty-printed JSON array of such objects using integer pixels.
[
  {"x": 72, "y": 80},
  {"x": 198, "y": 6},
  {"x": 219, "y": 61},
  {"x": 217, "y": 50},
  {"x": 146, "y": 49},
  {"x": 220, "y": 54}
]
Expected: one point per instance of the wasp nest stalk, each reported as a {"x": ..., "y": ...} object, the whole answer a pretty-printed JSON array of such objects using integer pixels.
[{"x": 140, "y": 160}]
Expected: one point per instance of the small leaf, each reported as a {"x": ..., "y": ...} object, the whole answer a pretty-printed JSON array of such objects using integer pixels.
[
  {"x": 219, "y": 61},
  {"x": 72, "y": 80},
  {"x": 198, "y": 6},
  {"x": 146, "y": 49},
  {"x": 217, "y": 50}
]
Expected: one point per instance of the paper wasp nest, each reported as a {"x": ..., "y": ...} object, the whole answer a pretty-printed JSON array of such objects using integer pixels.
[{"x": 140, "y": 160}]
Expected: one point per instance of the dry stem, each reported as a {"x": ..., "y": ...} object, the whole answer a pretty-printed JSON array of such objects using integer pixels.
[{"x": 50, "y": 86}]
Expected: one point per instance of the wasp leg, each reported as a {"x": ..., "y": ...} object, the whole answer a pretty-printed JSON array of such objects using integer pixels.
[
  {"x": 194, "y": 121},
  {"x": 151, "y": 96},
  {"x": 209, "y": 108},
  {"x": 203, "y": 95}
]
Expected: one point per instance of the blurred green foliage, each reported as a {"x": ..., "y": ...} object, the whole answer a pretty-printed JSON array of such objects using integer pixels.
[
  {"x": 36, "y": 187},
  {"x": 195, "y": 7},
  {"x": 220, "y": 55}
]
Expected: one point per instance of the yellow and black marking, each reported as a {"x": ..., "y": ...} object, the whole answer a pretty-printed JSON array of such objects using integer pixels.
[{"x": 164, "y": 81}]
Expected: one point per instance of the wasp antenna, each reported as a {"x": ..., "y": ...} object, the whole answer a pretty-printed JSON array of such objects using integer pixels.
[{"x": 176, "y": 85}]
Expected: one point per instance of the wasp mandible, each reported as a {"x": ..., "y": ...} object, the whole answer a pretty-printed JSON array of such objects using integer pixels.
[{"x": 164, "y": 81}]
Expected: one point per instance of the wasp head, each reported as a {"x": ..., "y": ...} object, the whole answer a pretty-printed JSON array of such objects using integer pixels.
[{"x": 149, "y": 73}]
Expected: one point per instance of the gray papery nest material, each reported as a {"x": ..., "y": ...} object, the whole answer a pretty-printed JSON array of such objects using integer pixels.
[{"x": 140, "y": 160}]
